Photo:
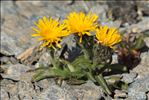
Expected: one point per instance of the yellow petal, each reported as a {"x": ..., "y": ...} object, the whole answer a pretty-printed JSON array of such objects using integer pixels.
[
  {"x": 88, "y": 33},
  {"x": 80, "y": 39},
  {"x": 108, "y": 36},
  {"x": 50, "y": 31},
  {"x": 34, "y": 35},
  {"x": 40, "y": 39},
  {"x": 58, "y": 45},
  {"x": 81, "y": 23},
  {"x": 35, "y": 30}
]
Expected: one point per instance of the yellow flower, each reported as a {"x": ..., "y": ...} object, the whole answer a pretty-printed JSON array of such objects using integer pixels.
[
  {"x": 50, "y": 32},
  {"x": 108, "y": 36},
  {"x": 81, "y": 24}
]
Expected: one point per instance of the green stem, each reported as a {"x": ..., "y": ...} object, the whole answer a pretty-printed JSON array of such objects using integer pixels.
[
  {"x": 91, "y": 77},
  {"x": 53, "y": 59},
  {"x": 85, "y": 52},
  {"x": 70, "y": 66},
  {"x": 51, "y": 56},
  {"x": 46, "y": 73},
  {"x": 100, "y": 79}
]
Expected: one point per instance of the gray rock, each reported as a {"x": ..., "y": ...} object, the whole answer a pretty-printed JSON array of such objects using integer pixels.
[
  {"x": 88, "y": 91},
  {"x": 129, "y": 78},
  {"x": 84, "y": 92},
  {"x": 137, "y": 28},
  {"x": 119, "y": 94},
  {"x": 44, "y": 84},
  {"x": 15, "y": 36},
  {"x": 55, "y": 93},
  {"x": 147, "y": 41},
  {"x": 5, "y": 60},
  {"x": 100, "y": 10},
  {"x": 138, "y": 96},
  {"x": 23, "y": 89},
  {"x": 148, "y": 95},
  {"x": 110, "y": 23},
  {"x": 14, "y": 72},
  {"x": 45, "y": 60},
  {"x": 9, "y": 87},
  {"x": 8, "y": 60},
  {"x": 145, "y": 58},
  {"x": 18, "y": 17},
  {"x": 143, "y": 6},
  {"x": 16, "y": 21},
  {"x": 143, "y": 68},
  {"x": 4, "y": 94},
  {"x": 138, "y": 89},
  {"x": 124, "y": 11}
]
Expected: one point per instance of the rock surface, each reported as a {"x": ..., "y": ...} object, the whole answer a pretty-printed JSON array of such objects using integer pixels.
[
  {"x": 127, "y": 15},
  {"x": 138, "y": 89},
  {"x": 143, "y": 7},
  {"x": 15, "y": 72},
  {"x": 129, "y": 78},
  {"x": 5, "y": 95},
  {"x": 143, "y": 68},
  {"x": 15, "y": 36},
  {"x": 19, "y": 51},
  {"x": 84, "y": 92}
]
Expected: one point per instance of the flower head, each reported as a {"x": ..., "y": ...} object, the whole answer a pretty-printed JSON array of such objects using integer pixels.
[
  {"x": 50, "y": 32},
  {"x": 81, "y": 24},
  {"x": 108, "y": 36}
]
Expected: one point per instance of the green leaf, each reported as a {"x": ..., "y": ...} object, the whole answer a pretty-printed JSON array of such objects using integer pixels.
[
  {"x": 139, "y": 43},
  {"x": 85, "y": 51},
  {"x": 90, "y": 77},
  {"x": 69, "y": 65},
  {"x": 78, "y": 74},
  {"x": 82, "y": 63},
  {"x": 146, "y": 33},
  {"x": 113, "y": 79},
  {"x": 100, "y": 79},
  {"x": 42, "y": 74},
  {"x": 76, "y": 82},
  {"x": 49, "y": 73},
  {"x": 121, "y": 85},
  {"x": 63, "y": 73},
  {"x": 118, "y": 68}
]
